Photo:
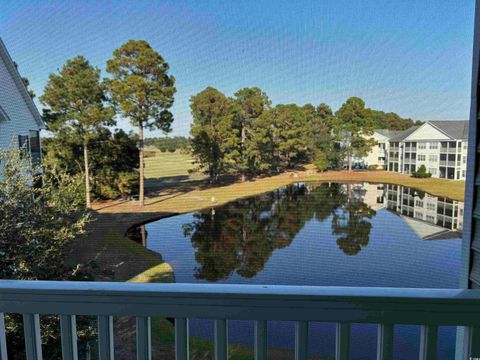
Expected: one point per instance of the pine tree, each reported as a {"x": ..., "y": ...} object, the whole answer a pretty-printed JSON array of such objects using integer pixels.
[{"x": 215, "y": 143}]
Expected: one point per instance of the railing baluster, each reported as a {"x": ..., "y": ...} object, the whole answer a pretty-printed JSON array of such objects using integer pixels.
[
  {"x": 474, "y": 339},
  {"x": 68, "y": 328},
  {"x": 428, "y": 342},
  {"x": 105, "y": 337},
  {"x": 385, "y": 342},
  {"x": 342, "y": 344},
  {"x": 260, "y": 340},
  {"x": 3, "y": 338},
  {"x": 181, "y": 339},
  {"x": 144, "y": 338},
  {"x": 221, "y": 340},
  {"x": 33, "y": 340},
  {"x": 301, "y": 340}
]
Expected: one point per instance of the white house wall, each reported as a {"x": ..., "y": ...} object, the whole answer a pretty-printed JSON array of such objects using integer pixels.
[{"x": 14, "y": 105}]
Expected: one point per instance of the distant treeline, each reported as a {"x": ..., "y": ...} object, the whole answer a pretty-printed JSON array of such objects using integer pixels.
[
  {"x": 245, "y": 135},
  {"x": 170, "y": 144}
]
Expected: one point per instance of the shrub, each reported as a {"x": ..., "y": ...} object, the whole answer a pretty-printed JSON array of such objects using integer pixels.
[
  {"x": 421, "y": 173},
  {"x": 128, "y": 183},
  {"x": 321, "y": 162},
  {"x": 373, "y": 167}
]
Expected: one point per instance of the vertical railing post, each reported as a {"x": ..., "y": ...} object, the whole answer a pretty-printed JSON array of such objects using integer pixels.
[
  {"x": 181, "y": 339},
  {"x": 260, "y": 340},
  {"x": 221, "y": 340},
  {"x": 342, "y": 343},
  {"x": 301, "y": 340},
  {"x": 105, "y": 337},
  {"x": 144, "y": 338},
  {"x": 385, "y": 342},
  {"x": 3, "y": 338},
  {"x": 33, "y": 340},
  {"x": 68, "y": 328},
  {"x": 428, "y": 342}
]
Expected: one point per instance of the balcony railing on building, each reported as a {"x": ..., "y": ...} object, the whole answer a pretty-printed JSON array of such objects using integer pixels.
[{"x": 386, "y": 307}]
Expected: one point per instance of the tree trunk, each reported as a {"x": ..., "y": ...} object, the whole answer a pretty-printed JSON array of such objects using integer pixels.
[
  {"x": 349, "y": 161},
  {"x": 244, "y": 141},
  {"x": 141, "y": 193},
  {"x": 87, "y": 175}
]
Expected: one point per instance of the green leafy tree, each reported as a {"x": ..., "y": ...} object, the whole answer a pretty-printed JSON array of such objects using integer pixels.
[
  {"x": 391, "y": 121},
  {"x": 215, "y": 142},
  {"x": 321, "y": 161},
  {"x": 354, "y": 128},
  {"x": 142, "y": 90},
  {"x": 76, "y": 106},
  {"x": 113, "y": 160},
  {"x": 280, "y": 139},
  {"x": 36, "y": 225},
  {"x": 252, "y": 102}
]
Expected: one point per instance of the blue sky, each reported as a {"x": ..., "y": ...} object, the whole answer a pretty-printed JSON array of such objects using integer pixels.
[{"x": 412, "y": 57}]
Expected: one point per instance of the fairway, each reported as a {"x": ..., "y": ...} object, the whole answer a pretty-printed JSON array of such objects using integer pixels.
[{"x": 166, "y": 166}]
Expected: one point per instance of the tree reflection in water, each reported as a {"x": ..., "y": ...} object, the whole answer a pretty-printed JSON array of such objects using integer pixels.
[{"x": 240, "y": 237}]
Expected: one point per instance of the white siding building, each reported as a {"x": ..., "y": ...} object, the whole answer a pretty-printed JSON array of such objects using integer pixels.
[
  {"x": 439, "y": 145},
  {"x": 20, "y": 121}
]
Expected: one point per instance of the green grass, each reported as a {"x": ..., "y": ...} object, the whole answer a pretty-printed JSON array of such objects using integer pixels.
[{"x": 161, "y": 167}]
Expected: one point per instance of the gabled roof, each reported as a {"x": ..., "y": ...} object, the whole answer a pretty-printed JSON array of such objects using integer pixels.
[
  {"x": 401, "y": 135},
  {"x": 7, "y": 60},
  {"x": 388, "y": 133},
  {"x": 456, "y": 129}
]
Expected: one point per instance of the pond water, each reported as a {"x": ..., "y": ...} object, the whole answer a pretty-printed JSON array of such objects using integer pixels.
[{"x": 327, "y": 234}]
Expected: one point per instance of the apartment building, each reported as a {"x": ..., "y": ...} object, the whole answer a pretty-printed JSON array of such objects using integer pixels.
[
  {"x": 439, "y": 145},
  {"x": 20, "y": 121}
]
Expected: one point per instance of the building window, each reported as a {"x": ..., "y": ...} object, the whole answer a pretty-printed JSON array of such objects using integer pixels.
[
  {"x": 434, "y": 145},
  {"x": 419, "y": 203},
  {"x": 464, "y": 160},
  {"x": 433, "y": 158},
  {"x": 464, "y": 174},
  {"x": 35, "y": 150},
  {"x": 430, "y": 206},
  {"x": 421, "y": 157},
  {"x": 430, "y": 218},
  {"x": 432, "y": 171},
  {"x": 418, "y": 215},
  {"x": 422, "y": 145}
]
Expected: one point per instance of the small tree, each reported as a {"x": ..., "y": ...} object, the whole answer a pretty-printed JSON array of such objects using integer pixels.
[
  {"x": 421, "y": 173},
  {"x": 75, "y": 98},
  {"x": 321, "y": 161},
  {"x": 36, "y": 224},
  {"x": 142, "y": 90}
]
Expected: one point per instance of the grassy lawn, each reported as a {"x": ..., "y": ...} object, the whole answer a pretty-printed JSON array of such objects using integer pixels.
[
  {"x": 164, "y": 167},
  {"x": 172, "y": 189}
]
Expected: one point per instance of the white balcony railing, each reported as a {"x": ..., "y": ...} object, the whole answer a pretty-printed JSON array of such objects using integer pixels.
[{"x": 386, "y": 307}]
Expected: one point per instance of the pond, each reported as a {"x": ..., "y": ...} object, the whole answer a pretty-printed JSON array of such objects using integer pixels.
[{"x": 324, "y": 234}]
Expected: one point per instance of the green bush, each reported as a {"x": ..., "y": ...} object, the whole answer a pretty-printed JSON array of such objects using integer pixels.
[
  {"x": 421, "y": 173},
  {"x": 373, "y": 167},
  {"x": 321, "y": 162},
  {"x": 128, "y": 183}
]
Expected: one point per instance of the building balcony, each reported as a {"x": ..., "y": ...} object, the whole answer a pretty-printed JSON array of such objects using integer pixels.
[
  {"x": 448, "y": 163},
  {"x": 386, "y": 307}
]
